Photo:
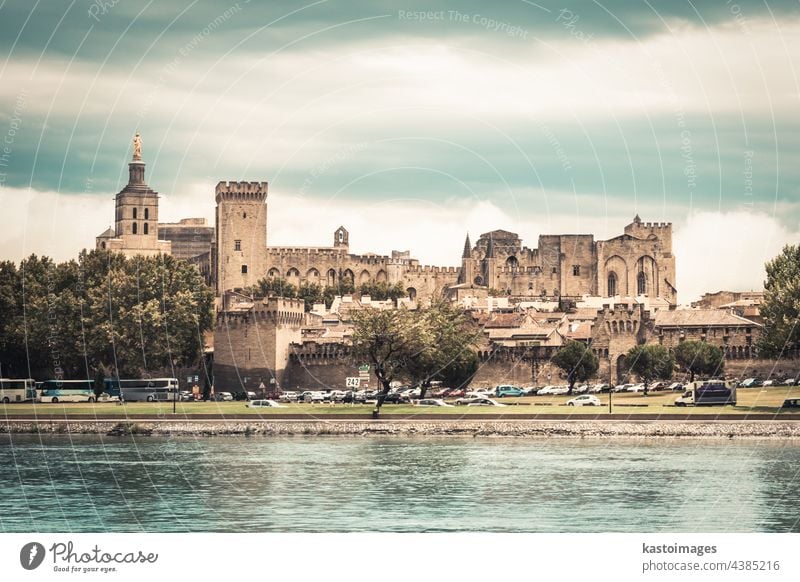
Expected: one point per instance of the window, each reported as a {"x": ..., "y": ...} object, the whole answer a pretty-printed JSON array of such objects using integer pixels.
[
  {"x": 244, "y": 215},
  {"x": 134, "y": 213},
  {"x": 341, "y": 236},
  {"x": 134, "y": 225},
  {"x": 244, "y": 269},
  {"x": 145, "y": 224},
  {"x": 237, "y": 245},
  {"x": 612, "y": 284},
  {"x": 576, "y": 270},
  {"x": 641, "y": 284},
  {"x": 555, "y": 270},
  {"x": 147, "y": 214}
]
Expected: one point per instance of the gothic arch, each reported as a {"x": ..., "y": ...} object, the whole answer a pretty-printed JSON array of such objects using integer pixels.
[
  {"x": 273, "y": 273},
  {"x": 381, "y": 276},
  {"x": 312, "y": 276},
  {"x": 364, "y": 277},
  {"x": 612, "y": 284},
  {"x": 512, "y": 262},
  {"x": 331, "y": 276},
  {"x": 617, "y": 266},
  {"x": 646, "y": 276},
  {"x": 412, "y": 293},
  {"x": 348, "y": 275}
]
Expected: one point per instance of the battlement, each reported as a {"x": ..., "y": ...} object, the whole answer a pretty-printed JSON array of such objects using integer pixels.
[
  {"x": 241, "y": 191},
  {"x": 507, "y": 270},
  {"x": 650, "y": 225},
  {"x": 321, "y": 251},
  {"x": 429, "y": 270}
]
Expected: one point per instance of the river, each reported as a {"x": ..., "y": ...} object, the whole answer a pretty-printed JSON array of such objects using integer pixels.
[{"x": 91, "y": 483}]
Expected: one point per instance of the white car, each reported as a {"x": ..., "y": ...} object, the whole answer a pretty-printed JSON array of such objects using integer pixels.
[
  {"x": 432, "y": 402},
  {"x": 553, "y": 390},
  {"x": 263, "y": 404},
  {"x": 223, "y": 396},
  {"x": 585, "y": 400},
  {"x": 622, "y": 387},
  {"x": 597, "y": 388},
  {"x": 635, "y": 388},
  {"x": 288, "y": 397},
  {"x": 582, "y": 389},
  {"x": 480, "y": 393},
  {"x": 484, "y": 402},
  {"x": 768, "y": 383}
]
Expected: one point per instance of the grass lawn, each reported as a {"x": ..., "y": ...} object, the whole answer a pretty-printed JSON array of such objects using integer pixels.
[{"x": 760, "y": 400}]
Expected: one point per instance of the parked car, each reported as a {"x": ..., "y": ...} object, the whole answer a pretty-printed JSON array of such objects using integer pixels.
[
  {"x": 432, "y": 402},
  {"x": 223, "y": 396},
  {"x": 396, "y": 398},
  {"x": 635, "y": 388},
  {"x": 656, "y": 386},
  {"x": 311, "y": 396},
  {"x": 791, "y": 403},
  {"x": 484, "y": 402},
  {"x": 751, "y": 383},
  {"x": 584, "y": 400},
  {"x": 768, "y": 383},
  {"x": 582, "y": 389},
  {"x": 675, "y": 387},
  {"x": 597, "y": 388},
  {"x": 456, "y": 393},
  {"x": 506, "y": 390},
  {"x": 621, "y": 387},
  {"x": 186, "y": 396},
  {"x": 553, "y": 390},
  {"x": 288, "y": 397},
  {"x": 260, "y": 403}
]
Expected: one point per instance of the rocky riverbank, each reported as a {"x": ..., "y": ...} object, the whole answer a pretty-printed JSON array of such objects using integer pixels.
[{"x": 462, "y": 428}]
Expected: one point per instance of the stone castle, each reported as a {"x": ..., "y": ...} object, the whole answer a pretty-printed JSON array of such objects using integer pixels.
[
  {"x": 255, "y": 339},
  {"x": 639, "y": 262}
]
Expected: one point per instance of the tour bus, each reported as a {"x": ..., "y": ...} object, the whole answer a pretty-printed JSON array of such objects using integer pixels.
[
  {"x": 143, "y": 389},
  {"x": 17, "y": 390},
  {"x": 67, "y": 391}
]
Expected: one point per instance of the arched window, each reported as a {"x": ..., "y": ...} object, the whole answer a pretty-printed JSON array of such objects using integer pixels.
[
  {"x": 512, "y": 262},
  {"x": 612, "y": 284},
  {"x": 145, "y": 224},
  {"x": 102, "y": 245},
  {"x": 135, "y": 230},
  {"x": 147, "y": 214},
  {"x": 134, "y": 213},
  {"x": 641, "y": 283}
]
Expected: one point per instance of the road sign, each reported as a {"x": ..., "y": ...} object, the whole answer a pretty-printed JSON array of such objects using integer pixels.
[
  {"x": 364, "y": 368},
  {"x": 353, "y": 382}
]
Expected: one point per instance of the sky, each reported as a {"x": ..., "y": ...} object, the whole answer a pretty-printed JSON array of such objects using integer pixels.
[{"x": 412, "y": 123}]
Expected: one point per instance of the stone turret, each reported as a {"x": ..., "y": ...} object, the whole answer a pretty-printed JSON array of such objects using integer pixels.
[{"x": 241, "y": 234}]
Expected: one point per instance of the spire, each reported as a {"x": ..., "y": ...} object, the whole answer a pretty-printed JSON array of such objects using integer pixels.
[
  {"x": 636, "y": 219},
  {"x": 467, "y": 249},
  {"x": 490, "y": 248}
]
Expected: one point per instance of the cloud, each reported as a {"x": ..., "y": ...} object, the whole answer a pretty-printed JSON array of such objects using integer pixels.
[{"x": 726, "y": 251}]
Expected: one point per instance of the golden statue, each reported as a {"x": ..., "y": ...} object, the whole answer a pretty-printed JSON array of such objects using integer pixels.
[{"x": 137, "y": 147}]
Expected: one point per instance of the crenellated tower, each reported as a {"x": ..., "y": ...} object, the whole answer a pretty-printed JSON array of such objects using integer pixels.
[{"x": 241, "y": 234}]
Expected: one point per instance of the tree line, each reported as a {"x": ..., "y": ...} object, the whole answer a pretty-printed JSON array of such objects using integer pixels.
[
  {"x": 312, "y": 293},
  {"x": 101, "y": 314}
]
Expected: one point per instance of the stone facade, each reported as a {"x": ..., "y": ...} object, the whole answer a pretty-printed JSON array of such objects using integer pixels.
[
  {"x": 135, "y": 229},
  {"x": 251, "y": 342},
  {"x": 637, "y": 263}
]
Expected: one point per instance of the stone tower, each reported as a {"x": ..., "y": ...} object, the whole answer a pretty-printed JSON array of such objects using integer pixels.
[
  {"x": 241, "y": 234},
  {"x": 467, "y": 275},
  {"x": 136, "y": 215},
  {"x": 341, "y": 238}
]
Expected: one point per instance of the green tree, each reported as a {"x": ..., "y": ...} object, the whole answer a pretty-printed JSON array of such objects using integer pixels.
[
  {"x": 699, "y": 357},
  {"x": 445, "y": 338},
  {"x": 781, "y": 306},
  {"x": 650, "y": 362},
  {"x": 275, "y": 287},
  {"x": 311, "y": 293},
  {"x": 578, "y": 361},
  {"x": 384, "y": 339}
]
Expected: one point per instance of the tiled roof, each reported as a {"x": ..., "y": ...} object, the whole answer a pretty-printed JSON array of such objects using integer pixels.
[{"x": 700, "y": 317}]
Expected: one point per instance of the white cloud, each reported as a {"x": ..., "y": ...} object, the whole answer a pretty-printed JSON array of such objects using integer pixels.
[{"x": 726, "y": 251}]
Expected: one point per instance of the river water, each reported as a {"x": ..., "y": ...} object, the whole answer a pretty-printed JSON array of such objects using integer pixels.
[{"x": 342, "y": 484}]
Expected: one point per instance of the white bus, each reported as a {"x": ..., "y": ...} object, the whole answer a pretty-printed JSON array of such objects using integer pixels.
[
  {"x": 17, "y": 390},
  {"x": 148, "y": 389},
  {"x": 56, "y": 391}
]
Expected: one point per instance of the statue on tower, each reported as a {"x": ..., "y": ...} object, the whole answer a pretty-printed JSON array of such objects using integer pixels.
[{"x": 137, "y": 147}]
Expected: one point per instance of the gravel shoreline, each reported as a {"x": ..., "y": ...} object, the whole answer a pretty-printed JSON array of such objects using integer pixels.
[{"x": 505, "y": 428}]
